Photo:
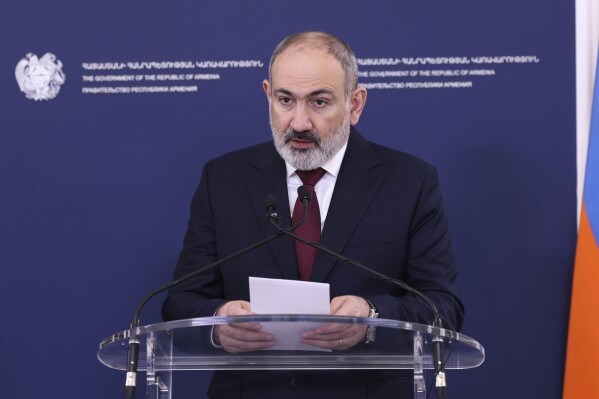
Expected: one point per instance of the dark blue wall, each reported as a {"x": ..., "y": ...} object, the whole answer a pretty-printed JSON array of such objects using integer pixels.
[{"x": 95, "y": 187}]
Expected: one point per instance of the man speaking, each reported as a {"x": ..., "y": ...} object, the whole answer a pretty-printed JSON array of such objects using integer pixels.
[{"x": 379, "y": 206}]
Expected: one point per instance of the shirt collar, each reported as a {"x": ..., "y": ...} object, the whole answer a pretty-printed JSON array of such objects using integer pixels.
[{"x": 331, "y": 166}]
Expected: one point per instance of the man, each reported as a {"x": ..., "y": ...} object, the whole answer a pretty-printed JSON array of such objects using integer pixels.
[{"x": 377, "y": 205}]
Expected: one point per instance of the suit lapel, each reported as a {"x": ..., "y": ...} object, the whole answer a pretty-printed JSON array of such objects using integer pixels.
[
  {"x": 356, "y": 185},
  {"x": 268, "y": 176}
]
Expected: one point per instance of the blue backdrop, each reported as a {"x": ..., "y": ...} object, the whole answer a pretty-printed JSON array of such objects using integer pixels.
[{"x": 96, "y": 182}]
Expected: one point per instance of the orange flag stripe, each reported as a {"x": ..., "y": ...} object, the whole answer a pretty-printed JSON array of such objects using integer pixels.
[{"x": 582, "y": 359}]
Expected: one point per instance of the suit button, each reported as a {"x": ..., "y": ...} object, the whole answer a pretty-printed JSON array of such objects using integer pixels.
[{"x": 292, "y": 382}]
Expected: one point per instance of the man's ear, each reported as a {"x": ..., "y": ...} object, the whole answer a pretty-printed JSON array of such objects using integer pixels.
[
  {"x": 357, "y": 103},
  {"x": 266, "y": 86}
]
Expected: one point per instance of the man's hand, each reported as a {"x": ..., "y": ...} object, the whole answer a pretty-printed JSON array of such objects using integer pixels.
[
  {"x": 341, "y": 336},
  {"x": 242, "y": 337}
]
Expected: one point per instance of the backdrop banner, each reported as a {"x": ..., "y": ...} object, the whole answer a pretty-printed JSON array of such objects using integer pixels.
[{"x": 110, "y": 109}]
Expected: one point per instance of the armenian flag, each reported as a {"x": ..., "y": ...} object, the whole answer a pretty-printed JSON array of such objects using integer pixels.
[{"x": 582, "y": 358}]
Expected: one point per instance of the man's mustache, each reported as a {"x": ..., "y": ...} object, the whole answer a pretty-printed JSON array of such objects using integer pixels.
[{"x": 305, "y": 135}]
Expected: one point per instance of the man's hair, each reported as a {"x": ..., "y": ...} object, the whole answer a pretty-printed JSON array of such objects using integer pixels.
[{"x": 332, "y": 44}]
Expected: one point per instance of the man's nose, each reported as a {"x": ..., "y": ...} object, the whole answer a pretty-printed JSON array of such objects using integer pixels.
[{"x": 301, "y": 119}]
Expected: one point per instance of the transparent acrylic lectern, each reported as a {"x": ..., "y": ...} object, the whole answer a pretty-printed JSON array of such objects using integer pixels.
[{"x": 186, "y": 345}]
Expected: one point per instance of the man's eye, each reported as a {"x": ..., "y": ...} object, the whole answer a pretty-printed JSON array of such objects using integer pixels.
[
  {"x": 284, "y": 100},
  {"x": 320, "y": 103}
]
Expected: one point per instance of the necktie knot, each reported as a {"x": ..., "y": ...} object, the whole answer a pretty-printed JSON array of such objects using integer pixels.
[{"x": 311, "y": 177}]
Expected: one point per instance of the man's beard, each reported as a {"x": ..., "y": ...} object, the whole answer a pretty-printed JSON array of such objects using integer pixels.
[{"x": 311, "y": 158}]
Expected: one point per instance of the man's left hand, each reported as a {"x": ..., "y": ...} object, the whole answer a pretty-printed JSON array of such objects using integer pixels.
[{"x": 340, "y": 336}]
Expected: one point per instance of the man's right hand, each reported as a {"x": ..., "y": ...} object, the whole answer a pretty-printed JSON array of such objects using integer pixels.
[{"x": 240, "y": 337}]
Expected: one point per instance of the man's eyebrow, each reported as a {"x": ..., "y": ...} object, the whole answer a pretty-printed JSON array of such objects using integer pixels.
[
  {"x": 311, "y": 94},
  {"x": 321, "y": 91},
  {"x": 283, "y": 91}
]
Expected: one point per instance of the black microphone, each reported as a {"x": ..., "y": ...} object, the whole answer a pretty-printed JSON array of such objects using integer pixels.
[
  {"x": 133, "y": 348},
  {"x": 304, "y": 195},
  {"x": 271, "y": 206},
  {"x": 438, "y": 343}
]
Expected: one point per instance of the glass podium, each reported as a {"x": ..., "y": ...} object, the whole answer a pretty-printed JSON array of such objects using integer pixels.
[{"x": 186, "y": 345}]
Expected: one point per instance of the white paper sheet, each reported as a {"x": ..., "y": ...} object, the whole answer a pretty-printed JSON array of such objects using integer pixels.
[{"x": 274, "y": 296}]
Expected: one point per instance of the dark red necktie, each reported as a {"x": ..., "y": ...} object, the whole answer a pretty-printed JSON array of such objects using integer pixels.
[{"x": 310, "y": 229}]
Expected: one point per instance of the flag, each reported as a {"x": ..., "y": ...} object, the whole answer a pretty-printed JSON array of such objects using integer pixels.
[{"x": 582, "y": 357}]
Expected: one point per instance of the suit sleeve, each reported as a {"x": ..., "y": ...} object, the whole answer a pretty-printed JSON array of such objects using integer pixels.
[{"x": 429, "y": 265}]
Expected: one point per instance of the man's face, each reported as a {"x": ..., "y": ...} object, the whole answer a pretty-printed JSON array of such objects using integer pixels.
[{"x": 309, "y": 114}]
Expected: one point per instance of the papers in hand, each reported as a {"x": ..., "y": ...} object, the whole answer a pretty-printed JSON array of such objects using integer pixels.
[{"x": 274, "y": 296}]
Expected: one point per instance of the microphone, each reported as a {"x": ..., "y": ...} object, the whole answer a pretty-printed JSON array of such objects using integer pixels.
[
  {"x": 304, "y": 195},
  {"x": 271, "y": 206},
  {"x": 133, "y": 348},
  {"x": 438, "y": 343}
]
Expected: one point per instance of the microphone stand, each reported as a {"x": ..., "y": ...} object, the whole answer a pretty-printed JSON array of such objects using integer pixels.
[
  {"x": 271, "y": 203},
  {"x": 438, "y": 343},
  {"x": 134, "y": 331}
]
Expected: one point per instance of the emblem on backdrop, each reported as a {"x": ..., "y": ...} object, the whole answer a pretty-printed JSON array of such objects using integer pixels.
[{"x": 40, "y": 78}]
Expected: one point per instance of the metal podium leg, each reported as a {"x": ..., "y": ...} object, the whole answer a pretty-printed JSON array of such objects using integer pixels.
[{"x": 419, "y": 382}]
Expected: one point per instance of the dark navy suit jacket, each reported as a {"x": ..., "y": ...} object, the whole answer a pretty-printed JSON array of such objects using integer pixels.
[{"x": 386, "y": 212}]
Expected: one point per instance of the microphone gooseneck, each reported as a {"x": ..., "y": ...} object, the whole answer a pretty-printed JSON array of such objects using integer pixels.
[
  {"x": 438, "y": 343},
  {"x": 275, "y": 219},
  {"x": 133, "y": 348},
  {"x": 134, "y": 333}
]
